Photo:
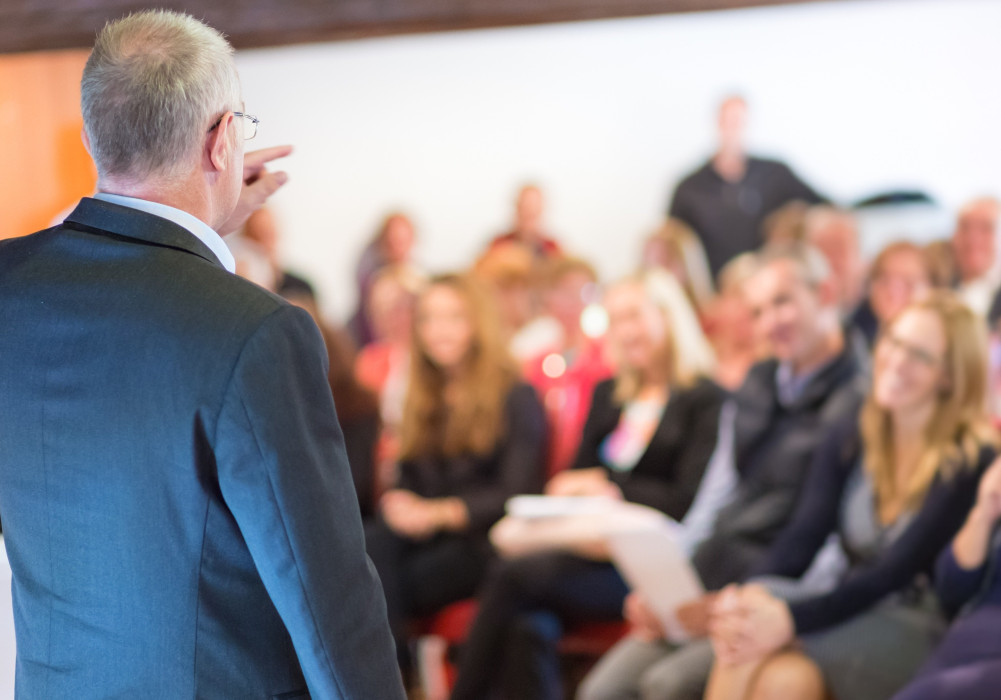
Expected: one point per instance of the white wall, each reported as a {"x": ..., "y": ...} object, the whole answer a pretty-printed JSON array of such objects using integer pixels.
[{"x": 607, "y": 115}]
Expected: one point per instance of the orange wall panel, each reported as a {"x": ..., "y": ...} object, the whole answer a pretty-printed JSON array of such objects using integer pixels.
[{"x": 45, "y": 169}]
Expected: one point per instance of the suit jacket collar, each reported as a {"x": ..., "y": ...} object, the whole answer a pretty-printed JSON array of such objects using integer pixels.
[{"x": 97, "y": 216}]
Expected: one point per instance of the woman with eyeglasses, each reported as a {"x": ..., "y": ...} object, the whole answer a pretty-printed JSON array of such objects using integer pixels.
[{"x": 895, "y": 487}]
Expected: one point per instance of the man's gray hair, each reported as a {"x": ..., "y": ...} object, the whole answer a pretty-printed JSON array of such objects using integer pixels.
[
  {"x": 811, "y": 264},
  {"x": 150, "y": 90}
]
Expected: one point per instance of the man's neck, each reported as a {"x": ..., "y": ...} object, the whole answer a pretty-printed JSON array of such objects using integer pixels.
[
  {"x": 192, "y": 200},
  {"x": 829, "y": 346},
  {"x": 731, "y": 165}
]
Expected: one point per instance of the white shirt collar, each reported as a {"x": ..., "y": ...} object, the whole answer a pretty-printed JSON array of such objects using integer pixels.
[{"x": 198, "y": 228}]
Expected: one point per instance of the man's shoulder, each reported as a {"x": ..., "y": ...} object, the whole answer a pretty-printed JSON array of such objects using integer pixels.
[{"x": 697, "y": 177}]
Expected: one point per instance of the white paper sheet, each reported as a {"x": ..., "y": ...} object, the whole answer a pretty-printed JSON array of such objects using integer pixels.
[{"x": 651, "y": 561}]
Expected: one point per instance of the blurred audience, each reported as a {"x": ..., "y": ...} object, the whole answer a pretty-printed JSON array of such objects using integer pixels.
[
  {"x": 510, "y": 273},
  {"x": 768, "y": 434},
  {"x": 383, "y": 366},
  {"x": 648, "y": 437},
  {"x": 529, "y": 228},
  {"x": 895, "y": 486},
  {"x": 565, "y": 374},
  {"x": 392, "y": 245},
  {"x": 675, "y": 247},
  {"x": 942, "y": 259},
  {"x": 472, "y": 437},
  {"x": 834, "y": 233},
  {"x": 967, "y": 664},
  {"x": 974, "y": 244},
  {"x": 730, "y": 325},
  {"x": 252, "y": 262},
  {"x": 787, "y": 224},
  {"x": 262, "y": 229},
  {"x": 727, "y": 199},
  {"x": 900, "y": 274}
]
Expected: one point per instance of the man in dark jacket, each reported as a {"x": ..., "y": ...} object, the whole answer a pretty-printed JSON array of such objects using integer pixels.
[{"x": 177, "y": 503}]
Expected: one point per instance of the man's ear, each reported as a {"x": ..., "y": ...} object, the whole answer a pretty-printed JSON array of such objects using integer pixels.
[{"x": 218, "y": 146}]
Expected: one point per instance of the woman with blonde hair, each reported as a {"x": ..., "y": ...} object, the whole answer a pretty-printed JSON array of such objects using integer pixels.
[
  {"x": 647, "y": 439},
  {"x": 895, "y": 486},
  {"x": 472, "y": 436}
]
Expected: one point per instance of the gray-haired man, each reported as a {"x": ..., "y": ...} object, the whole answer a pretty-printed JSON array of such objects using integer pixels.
[{"x": 177, "y": 503}]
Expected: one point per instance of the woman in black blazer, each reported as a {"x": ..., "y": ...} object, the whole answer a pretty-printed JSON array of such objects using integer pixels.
[
  {"x": 648, "y": 437},
  {"x": 472, "y": 437}
]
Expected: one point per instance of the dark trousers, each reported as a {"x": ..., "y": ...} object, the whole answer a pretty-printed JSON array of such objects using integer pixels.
[
  {"x": 511, "y": 650},
  {"x": 421, "y": 577}
]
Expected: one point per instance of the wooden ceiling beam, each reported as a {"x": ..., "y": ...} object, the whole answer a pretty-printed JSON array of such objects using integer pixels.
[{"x": 36, "y": 25}]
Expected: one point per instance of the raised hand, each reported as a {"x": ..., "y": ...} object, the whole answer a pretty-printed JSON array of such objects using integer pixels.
[{"x": 258, "y": 185}]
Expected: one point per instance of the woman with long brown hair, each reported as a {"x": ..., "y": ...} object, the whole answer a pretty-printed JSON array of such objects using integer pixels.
[
  {"x": 472, "y": 436},
  {"x": 647, "y": 439},
  {"x": 895, "y": 486}
]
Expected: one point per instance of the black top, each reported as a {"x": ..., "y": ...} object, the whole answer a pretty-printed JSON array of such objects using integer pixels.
[
  {"x": 967, "y": 589},
  {"x": 727, "y": 216},
  {"x": 485, "y": 482},
  {"x": 817, "y": 515},
  {"x": 669, "y": 471},
  {"x": 773, "y": 445}
]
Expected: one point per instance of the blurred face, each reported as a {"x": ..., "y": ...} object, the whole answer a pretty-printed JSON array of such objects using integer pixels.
[
  {"x": 390, "y": 310},
  {"x": 787, "y": 312},
  {"x": 565, "y": 300},
  {"x": 838, "y": 241},
  {"x": 444, "y": 326},
  {"x": 909, "y": 362},
  {"x": 528, "y": 208},
  {"x": 901, "y": 278},
  {"x": 636, "y": 328},
  {"x": 732, "y": 316},
  {"x": 262, "y": 229},
  {"x": 657, "y": 253},
  {"x": 732, "y": 125},
  {"x": 398, "y": 239},
  {"x": 974, "y": 240}
]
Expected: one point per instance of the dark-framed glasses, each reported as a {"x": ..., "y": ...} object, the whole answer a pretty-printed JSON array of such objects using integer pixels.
[{"x": 249, "y": 129}]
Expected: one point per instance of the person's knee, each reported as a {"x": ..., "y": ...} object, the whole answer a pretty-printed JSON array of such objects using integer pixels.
[
  {"x": 788, "y": 676},
  {"x": 594, "y": 687},
  {"x": 668, "y": 683}
]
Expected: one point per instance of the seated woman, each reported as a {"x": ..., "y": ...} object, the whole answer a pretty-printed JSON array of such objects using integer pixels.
[
  {"x": 896, "y": 487},
  {"x": 472, "y": 437},
  {"x": 967, "y": 664},
  {"x": 647, "y": 439},
  {"x": 899, "y": 274}
]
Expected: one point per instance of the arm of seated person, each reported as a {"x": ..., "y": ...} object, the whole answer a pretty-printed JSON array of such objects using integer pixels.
[
  {"x": 414, "y": 517},
  {"x": 592, "y": 481}
]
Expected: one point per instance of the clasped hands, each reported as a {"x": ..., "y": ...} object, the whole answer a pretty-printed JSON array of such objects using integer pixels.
[
  {"x": 745, "y": 623},
  {"x": 417, "y": 518}
]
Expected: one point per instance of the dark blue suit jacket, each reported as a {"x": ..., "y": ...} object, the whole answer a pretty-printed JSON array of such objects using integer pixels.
[{"x": 176, "y": 500}]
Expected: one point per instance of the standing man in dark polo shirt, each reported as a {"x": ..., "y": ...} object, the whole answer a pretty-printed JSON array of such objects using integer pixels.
[{"x": 728, "y": 198}]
